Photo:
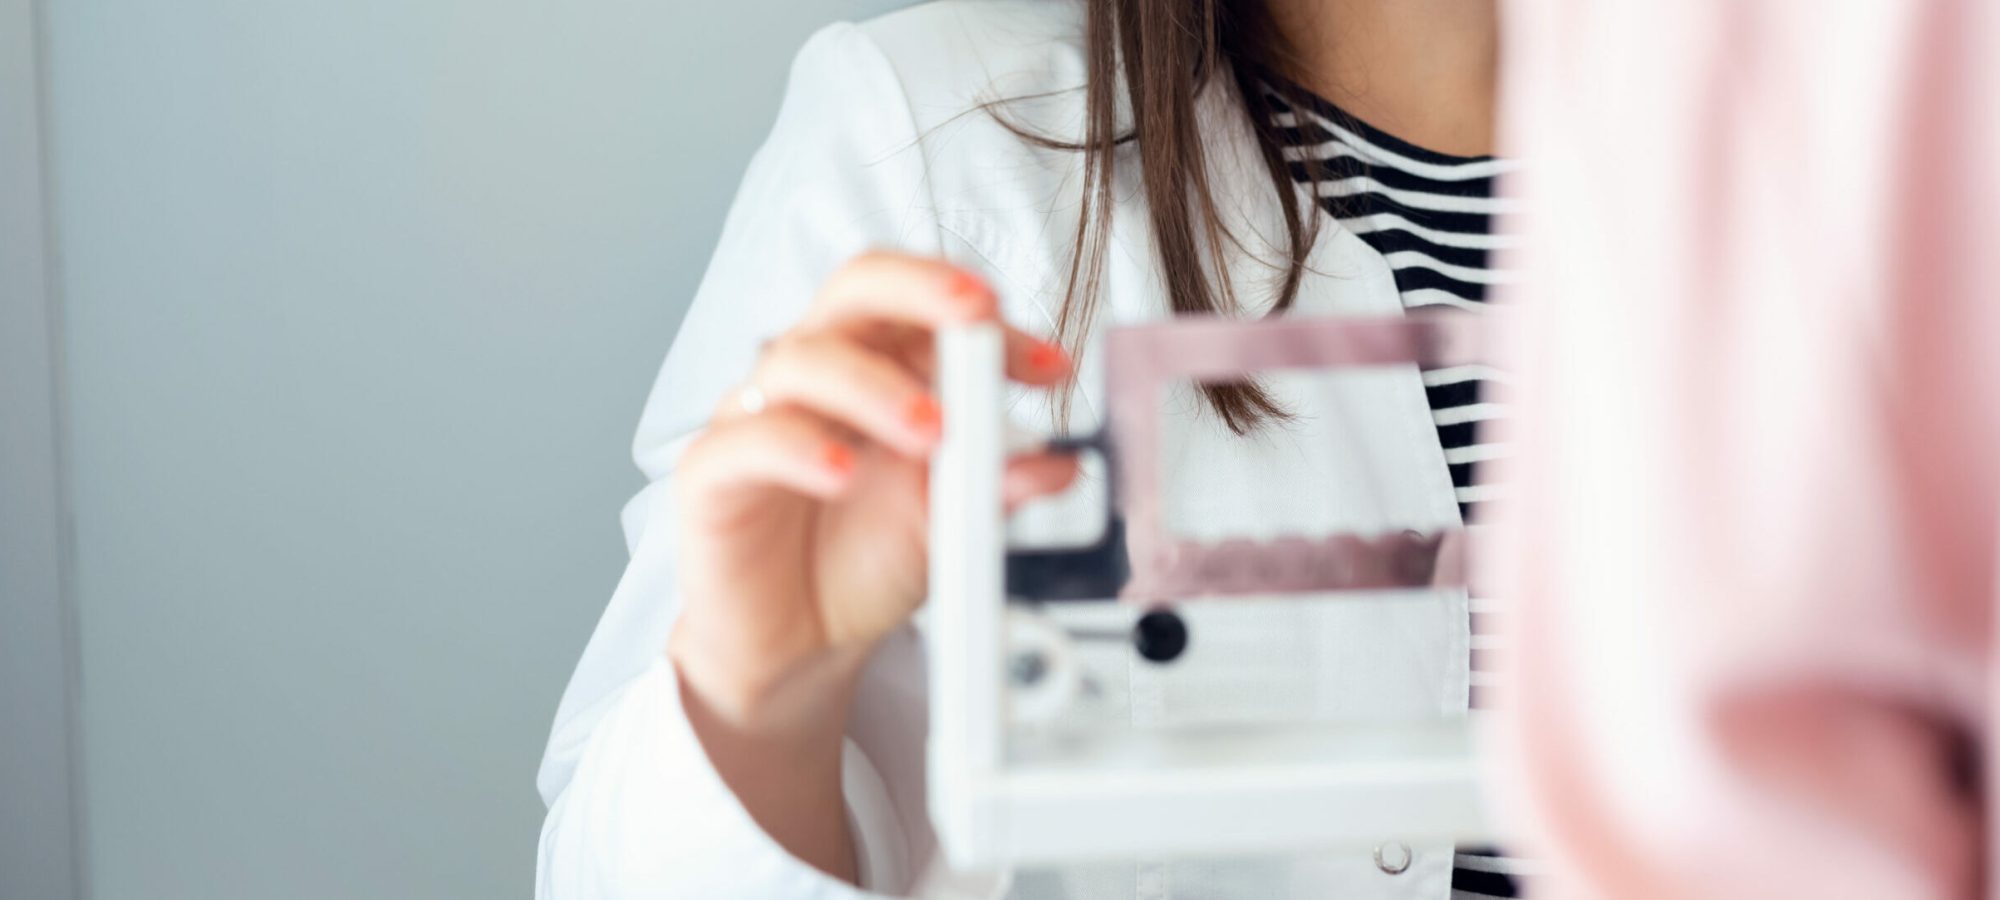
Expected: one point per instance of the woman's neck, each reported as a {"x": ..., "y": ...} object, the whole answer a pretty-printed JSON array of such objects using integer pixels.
[{"x": 1423, "y": 70}]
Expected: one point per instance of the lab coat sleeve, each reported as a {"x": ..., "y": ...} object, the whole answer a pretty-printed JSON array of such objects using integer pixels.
[{"x": 635, "y": 807}]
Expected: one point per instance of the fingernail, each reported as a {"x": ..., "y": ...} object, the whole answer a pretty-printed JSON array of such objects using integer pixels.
[
  {"x": 1045, "y": 357},
  {"x": 923, "y": 414},
  {"x": 838, "y": 457},
  {"x": 971, "y": 291}
]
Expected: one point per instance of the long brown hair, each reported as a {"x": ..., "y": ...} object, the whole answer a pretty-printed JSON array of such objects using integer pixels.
[{"x": 1168, "y": 52}]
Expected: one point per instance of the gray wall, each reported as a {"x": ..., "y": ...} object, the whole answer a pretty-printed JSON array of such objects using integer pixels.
[
  {"x": 37, "y": 700},
  {"x": 359, "y": 301}
]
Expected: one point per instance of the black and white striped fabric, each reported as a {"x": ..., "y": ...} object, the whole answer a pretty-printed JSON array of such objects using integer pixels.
[{"x": 1432, "y": 216}]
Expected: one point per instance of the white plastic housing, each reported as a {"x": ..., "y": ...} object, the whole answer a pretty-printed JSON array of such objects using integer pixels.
[{"x": 1140, "y": 793}]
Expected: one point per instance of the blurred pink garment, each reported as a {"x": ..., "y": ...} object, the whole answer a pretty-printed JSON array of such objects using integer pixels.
[{"x": 1759, "y": 362}]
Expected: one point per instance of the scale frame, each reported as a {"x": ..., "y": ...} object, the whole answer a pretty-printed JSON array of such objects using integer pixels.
[{"x": 1169, "y": 792}]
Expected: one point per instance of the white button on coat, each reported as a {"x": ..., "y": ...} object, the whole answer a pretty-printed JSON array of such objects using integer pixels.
[{"x": 873, "y": 149}]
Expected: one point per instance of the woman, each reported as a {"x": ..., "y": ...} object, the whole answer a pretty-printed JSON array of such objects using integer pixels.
[{"x": 969, "y": 160}]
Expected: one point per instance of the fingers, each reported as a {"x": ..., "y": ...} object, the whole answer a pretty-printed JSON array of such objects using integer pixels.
[
  {"x": 1031, "y": 360},
  {"x": 856, "y": 368},
  {"x": 922, "y": 295},
  {"x": 1036, "y": 475},
  {"x": 854, "y": 387},
  {"x": 798, "y": 451},
  {"x": 912, "y": 290},
  {"x": 781, "y": 448}
]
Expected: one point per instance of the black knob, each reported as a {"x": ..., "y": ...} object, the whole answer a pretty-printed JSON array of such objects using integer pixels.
[{"x": 1160, "y": 636}]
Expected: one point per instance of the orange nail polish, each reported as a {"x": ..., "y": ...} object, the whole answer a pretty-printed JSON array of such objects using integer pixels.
[
  {"x": 966, "y": 284},
  {"x": 971, "y": 292},
  {"x": 838, "y": 457},
  {"x": 923, "y": 413},
  {"x": 1046, "y": 357}
]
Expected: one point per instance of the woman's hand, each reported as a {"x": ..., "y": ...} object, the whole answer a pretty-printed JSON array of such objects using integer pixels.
[
  {"x": 802, "y": 533},
  {"x": 802, "y": 507}
]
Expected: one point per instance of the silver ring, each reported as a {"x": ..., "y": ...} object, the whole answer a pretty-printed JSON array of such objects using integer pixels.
[
  {"x": 1400, "y": 863},
  {"x": 751, "y": 399}
]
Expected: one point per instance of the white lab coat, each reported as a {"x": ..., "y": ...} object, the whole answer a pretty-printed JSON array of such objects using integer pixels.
[{"x": 874, "y": 148}]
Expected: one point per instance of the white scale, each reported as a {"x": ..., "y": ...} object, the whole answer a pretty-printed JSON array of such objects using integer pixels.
[{"x": 1006, "y": 789}]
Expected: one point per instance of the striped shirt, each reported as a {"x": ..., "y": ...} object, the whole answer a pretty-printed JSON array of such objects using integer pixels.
[{"x": 1431, "y": 216}]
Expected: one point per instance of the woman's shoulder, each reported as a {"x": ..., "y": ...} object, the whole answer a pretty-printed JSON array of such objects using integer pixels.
[
  {"x": 956, "y": 56},
  {"x": 948, "y": 108}
]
